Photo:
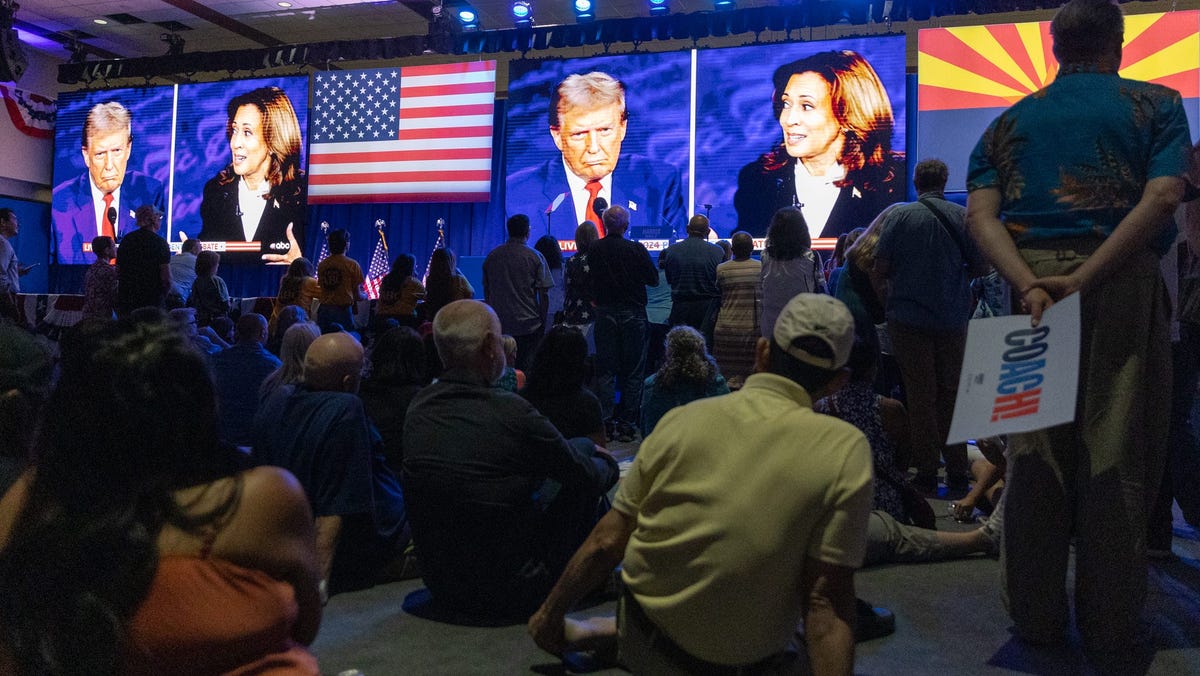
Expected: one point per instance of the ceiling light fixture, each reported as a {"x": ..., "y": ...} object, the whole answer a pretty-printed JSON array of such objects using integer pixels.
[
  {"x": 659, "y": 7},
  {"x": 522, "y": 13},
  {"x": 102, "y": 22},
  {"x": 284, "y": 5},
  {"x": 584, "y": 11}
]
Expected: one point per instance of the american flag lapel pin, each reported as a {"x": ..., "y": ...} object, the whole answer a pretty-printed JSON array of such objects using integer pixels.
[{"x": 632, "y": 205}]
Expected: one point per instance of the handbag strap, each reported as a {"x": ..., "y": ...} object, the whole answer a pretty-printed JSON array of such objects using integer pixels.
[{"x": 949, "y": 228}]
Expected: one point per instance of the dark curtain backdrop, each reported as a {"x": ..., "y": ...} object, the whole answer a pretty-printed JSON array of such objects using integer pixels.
[{"x": 472, "y": 229}]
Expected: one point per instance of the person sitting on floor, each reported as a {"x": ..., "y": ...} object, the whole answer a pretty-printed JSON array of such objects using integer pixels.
[
  {"x": 319, "y": 431},
  {"x": 556, "y": 388},
  {"x": 397, "y": 373},
  {"x": 512, "y": 379},
  {"x": 296, "y": 341},
  {"x": 498, "y": 498},
  {"x": 688, "y": 373},
  {"x": 713, "y": 581}
]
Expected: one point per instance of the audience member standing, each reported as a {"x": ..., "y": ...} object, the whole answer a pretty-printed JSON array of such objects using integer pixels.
[
  {"x": 621, "y": 271},
  {"x": 691, "y": 267},
  {"x": 319, "y": 431},
  {"x": 516, "y": 282},
  {"x": 209, "y": 294},
  {"x": 239, "y": 371},
  {"x": 11, "y": 269},
  {"x": 547, "y": 245},
  {"x": 476, "y": 460},
  {"x": 928, "y": 260},
  {"x": 100, "y": 282},
  {"x": 736, "y": 331},
  {"x": 579, "y": 307},
  {"x": 789, "y": 265},
  {"x": 143, "y": 264},
  {"x": 340, "y": 278},
  {"x": 183, "y": 269},
  {"x": 1085, "y": 218},
  {"x": 298, "y": 287}
]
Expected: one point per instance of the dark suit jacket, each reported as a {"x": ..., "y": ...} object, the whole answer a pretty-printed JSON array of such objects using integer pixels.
[
  {"x": 764, "y": 187},
  {"x": 220, "y": 221},
  {"x": 650, "y": 191},
  {"x": 74, "y": 217}
]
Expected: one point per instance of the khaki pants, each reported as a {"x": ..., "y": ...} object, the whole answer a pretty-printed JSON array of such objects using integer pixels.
[{"x": 1093, "y": 479}]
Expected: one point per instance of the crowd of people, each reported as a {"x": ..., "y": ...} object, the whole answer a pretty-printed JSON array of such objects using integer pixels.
[{"x": 174, "y": 474}]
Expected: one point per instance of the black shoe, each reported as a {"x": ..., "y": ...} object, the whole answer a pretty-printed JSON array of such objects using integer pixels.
[
  {"x": 610, "y": 430},
  {"x": 926, "y": 484},
  {"x": 626, "y": 432},
  {"x": 873, "y": 622}
]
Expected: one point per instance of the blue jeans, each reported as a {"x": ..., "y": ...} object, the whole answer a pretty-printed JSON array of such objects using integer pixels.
[{"x": 620, "y": 360}]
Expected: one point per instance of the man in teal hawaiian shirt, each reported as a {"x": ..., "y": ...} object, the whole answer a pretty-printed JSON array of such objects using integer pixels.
[{"x": 1070, "y": 190}]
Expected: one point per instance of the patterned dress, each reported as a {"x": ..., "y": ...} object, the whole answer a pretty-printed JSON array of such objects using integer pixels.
[
  {"x": 736, "y": 332},
  {"x": 578, "y": 309},
  {"x": 857, "y": 404}
]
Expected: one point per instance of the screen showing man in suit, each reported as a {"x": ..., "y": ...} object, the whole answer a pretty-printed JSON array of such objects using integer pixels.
[
  {"x": 101, "y": 196},
  {"x": 586, "y": 105}
]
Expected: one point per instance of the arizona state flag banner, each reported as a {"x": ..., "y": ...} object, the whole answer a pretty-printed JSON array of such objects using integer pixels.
[{"x": 966, "y": 76}]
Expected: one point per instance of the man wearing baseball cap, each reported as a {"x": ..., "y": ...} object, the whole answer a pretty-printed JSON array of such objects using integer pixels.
[{"x": 741, "y": 517}]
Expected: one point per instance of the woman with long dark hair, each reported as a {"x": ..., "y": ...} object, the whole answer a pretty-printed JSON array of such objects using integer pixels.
[
  {"x": 444, "y": 284},
  {"x": 137, "y": 542}
]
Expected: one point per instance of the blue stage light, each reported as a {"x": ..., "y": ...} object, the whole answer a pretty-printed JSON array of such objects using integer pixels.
[
  {"x": 584, "y": 11},
  {"x": 522, "y": 12},
  {"x": 659, "y": 7}
]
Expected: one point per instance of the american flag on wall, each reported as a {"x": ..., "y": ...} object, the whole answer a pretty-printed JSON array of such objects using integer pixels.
[
  {"x": 377, "y": 269},
  {"x": 411, "y": 134}
]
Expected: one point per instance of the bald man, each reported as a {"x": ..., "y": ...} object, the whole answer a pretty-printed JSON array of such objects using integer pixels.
[
  {"x": 319, "y": 431},
  {"x": 498, "y": 498}
]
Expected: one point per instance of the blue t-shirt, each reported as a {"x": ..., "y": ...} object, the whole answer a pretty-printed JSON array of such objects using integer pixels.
[{"x": 1072, "y": 159}]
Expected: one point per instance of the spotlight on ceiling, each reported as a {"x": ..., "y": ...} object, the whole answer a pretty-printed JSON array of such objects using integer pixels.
[
  {"x": 659, "y": 7},
  {"x": 467, "y": 16},
  {"x": 175, "y": 43},
  {"x": 723, "y": 5},
  {"x": 584, "y": 11},
  {"x": 522, "y": 13}
]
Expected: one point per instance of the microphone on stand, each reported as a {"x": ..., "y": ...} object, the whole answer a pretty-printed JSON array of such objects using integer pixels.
[
  {"x": 111, "y": 214},
  {"x": 599, "y": 205}
]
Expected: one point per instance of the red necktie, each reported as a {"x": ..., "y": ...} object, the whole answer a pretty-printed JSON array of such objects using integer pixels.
[
  {"x": 109, "y": 229},
  {"x": 593, "y": 188}
]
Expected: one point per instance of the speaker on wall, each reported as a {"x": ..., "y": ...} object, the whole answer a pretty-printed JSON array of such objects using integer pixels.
[{"x": 12, "y": 57}]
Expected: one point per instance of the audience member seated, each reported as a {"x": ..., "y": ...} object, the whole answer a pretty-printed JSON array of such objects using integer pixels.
[
  {"x": 203, "y": 339},
  {"x": 224, "y": 328},
  {"x": 297, "y": 287},
  {"x": 688, "y": 373},
  {"x": 987, "y": 474},
  {"x": 555, "y": 386},
  {"x": 183, "y": 272},
  {"x": 291, "y": 372},
  {"x": 512, "y": 379},
  {"x": 399, "y": 292},
  {"x": 397, "y": 373},
  {"x": 279, "y": 325},
  {"x": 885, "y": 423},
  {"x": 498, "y": 498},
  {"x": 25, "y": 371},
  {"x": 209, "y": 294},
  {"x": 319, "y": 431},
  {"x": 239, "y": 372},
  {"x": 141, "y": 544},
  {"x": 100, "y": 282},
  {"x": 444, "y": 284},
  {"x": 740, "y": 516}
]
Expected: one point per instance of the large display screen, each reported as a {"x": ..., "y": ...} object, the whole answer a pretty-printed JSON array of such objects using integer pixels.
[
  {"x": 732, "y": 133},
  {"x": 225, "y": 162}
]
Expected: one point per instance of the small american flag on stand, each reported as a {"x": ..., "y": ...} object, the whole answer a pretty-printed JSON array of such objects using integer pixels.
[
  {"x": 324, "y": 253},
  {"x": 379, "y": 265},
  {"x": 411, "y": 134}
]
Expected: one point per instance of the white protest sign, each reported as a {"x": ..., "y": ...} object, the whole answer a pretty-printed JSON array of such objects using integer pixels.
[{"x": 1018, "y": 378}]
